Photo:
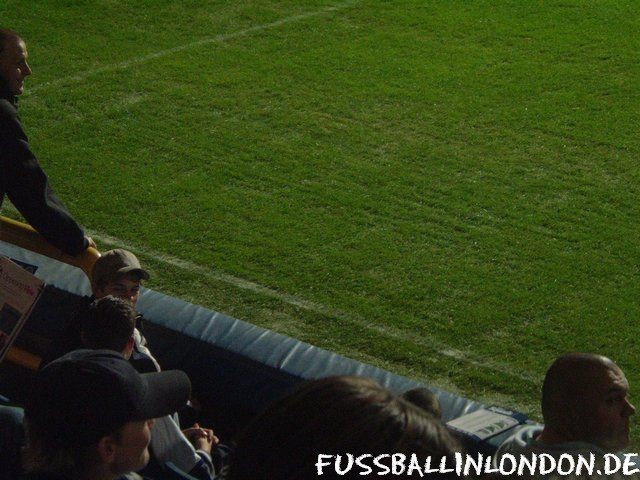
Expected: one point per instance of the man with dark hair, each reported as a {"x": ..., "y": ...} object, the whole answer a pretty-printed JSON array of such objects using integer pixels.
[
  {"x": 21, "y": 176},
  {"x": 304, "y": 434},
  {"x": 109, "y": 324},
  {"x": 425, "y": 399},
  {"x": 90, "y": 414},
  {"x": 585, "y": 407}
]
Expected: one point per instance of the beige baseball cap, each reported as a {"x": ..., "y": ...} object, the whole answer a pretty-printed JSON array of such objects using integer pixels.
[{"x": 114, "y": 263}]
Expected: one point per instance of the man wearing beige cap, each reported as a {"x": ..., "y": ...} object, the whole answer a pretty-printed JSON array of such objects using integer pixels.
[{"x": 118, "y": 273}]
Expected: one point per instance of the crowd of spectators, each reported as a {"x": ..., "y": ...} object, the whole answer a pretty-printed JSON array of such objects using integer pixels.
[{"x": 103, "y": 408}]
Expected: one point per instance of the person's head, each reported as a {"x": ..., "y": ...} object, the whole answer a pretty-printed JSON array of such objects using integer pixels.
[
  {"x": 584, "y": 398},
  {"x": 13, "y": 61},
  {"x": 90, "y": 412},
  {"x": 108, "y": 324},
  {"x": 425, "y": 399},
  {"x": 118, "y": 273},
  {"x": 335, "y": 416}
]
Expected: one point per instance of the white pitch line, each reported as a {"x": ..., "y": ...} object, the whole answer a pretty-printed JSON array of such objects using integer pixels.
[
  {"x": 205, "y": 41},
  {"x": 318, "y": 308},
  {"x": 438, "y": 347}
]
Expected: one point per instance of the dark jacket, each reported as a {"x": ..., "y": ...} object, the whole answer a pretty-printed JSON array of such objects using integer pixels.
[
  {"x": 27, "y": 186},
  {"x": 69, "y": 339},
  {"x": 44, "y": 476}
]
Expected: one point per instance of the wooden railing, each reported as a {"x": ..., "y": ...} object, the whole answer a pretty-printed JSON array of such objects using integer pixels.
[{"x": 24, "y": 236}]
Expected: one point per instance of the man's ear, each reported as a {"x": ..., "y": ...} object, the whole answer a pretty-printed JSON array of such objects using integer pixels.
[
  {"x": 107, "y": 449},
  {"x": 128, "y": 350}
]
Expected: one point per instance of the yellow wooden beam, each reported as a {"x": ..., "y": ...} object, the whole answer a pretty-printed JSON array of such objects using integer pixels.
[
  {"x": 24, "y": 236},
  {"x": 23, "y": 358}
]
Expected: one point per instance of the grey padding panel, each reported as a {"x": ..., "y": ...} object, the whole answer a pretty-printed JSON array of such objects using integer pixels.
[
  {"x": 242, "y": 340},
  {"x": 275, "y": 350}
]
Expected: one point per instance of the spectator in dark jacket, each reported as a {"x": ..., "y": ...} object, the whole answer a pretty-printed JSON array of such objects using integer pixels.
[
  {"x": 109, "y": 324},
  {"x": 90, "y": 413},
  {"x": 21, "y": 177},
  {"x": 312, "y": 432}
]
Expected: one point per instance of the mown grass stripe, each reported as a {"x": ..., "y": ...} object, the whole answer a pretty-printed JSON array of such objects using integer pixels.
[
  {"x": 314, "y": 307},
  {"x": 428, "y": 343},
  {"x": 205, "y": 41}
]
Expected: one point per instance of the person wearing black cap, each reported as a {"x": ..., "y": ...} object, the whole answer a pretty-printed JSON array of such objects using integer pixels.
[
  {"x": 21, "y": 176},
  {"x": 109, "y": 324},
  {"x": 89, "y": 416}
]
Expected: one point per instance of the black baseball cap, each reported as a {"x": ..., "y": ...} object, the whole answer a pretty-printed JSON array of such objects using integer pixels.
[{"x": 88, "y": 394}]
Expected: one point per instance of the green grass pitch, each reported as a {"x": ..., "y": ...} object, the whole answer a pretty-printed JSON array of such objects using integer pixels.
[{"x": 449, "y": 190}]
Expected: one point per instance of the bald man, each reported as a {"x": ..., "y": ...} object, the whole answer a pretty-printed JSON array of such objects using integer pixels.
[{"x": 585, "y": 407}]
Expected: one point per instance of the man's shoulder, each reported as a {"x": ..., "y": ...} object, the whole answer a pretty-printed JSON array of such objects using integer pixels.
[
  {"x": 519, "y": 442},
  {"x": 7, "y": 109},
  {"x": 8, "y": 117}
]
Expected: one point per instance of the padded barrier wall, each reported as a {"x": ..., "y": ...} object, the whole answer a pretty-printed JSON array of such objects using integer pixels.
[{"x": 236, "y": 368}]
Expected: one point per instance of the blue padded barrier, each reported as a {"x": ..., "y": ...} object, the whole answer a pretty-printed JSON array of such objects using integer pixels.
[{"x": 236, "y": 368}]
